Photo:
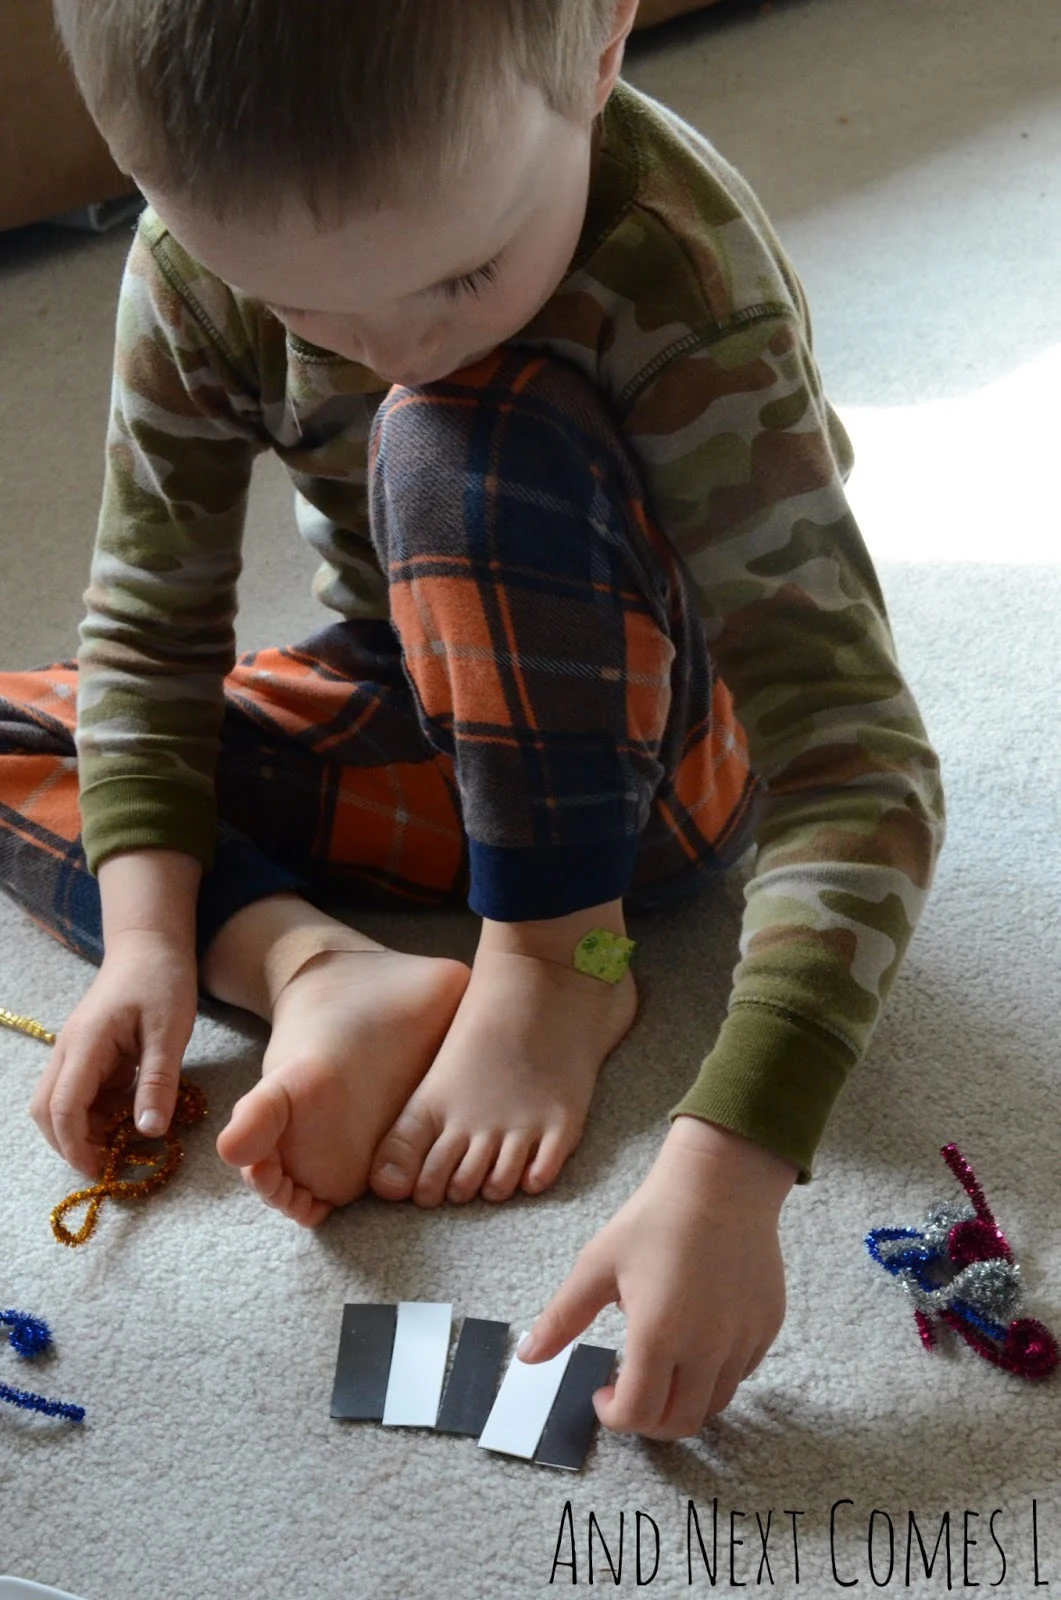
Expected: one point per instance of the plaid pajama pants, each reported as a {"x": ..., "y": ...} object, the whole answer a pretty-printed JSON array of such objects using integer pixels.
[{"x": 538, "y": 727}]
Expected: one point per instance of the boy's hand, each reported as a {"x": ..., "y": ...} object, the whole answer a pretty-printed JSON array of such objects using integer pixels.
[
  {"x": 693, "y": 1260},
  {"x": 130, "y": 1030}
]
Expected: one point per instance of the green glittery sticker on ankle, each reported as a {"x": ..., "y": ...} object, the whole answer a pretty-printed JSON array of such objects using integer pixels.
[{"x": 603, "y": 955}]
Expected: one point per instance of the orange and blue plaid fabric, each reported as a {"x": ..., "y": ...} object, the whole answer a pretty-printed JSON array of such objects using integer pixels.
[{"x": 539, "y": 726}]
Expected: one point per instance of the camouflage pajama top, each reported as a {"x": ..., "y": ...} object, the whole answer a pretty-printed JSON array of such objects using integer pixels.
[{"x": 681, "y": 307}]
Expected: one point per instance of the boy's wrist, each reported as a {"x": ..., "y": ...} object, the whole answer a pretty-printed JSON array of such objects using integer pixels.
[
  {"x": 149, "y": 893},
  {"x": 724, "y": 1161}
]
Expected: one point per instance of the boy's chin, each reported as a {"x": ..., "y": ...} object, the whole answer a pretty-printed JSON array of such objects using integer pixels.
[{"x": 437, "y": 373}]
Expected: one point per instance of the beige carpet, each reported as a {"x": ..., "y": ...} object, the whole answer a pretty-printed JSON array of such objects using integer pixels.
[{"x": 910, "y": 153}]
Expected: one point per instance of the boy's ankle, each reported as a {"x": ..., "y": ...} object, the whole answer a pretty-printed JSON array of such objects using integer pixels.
[
  {"x": 552, "y": 938},
  {"x": 264, "y": 945}
]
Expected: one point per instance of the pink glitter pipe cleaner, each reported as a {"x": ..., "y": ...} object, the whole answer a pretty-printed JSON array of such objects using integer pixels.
[{"x": 957, "y": 1264}]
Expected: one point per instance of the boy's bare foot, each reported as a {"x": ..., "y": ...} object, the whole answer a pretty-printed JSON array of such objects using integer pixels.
[
  {"x": 505, "y": 1101},
  {"x": 353, "y": 1032}
]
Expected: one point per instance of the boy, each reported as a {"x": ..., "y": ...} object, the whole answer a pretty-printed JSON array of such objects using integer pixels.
[{"x": 438, "y": 246}]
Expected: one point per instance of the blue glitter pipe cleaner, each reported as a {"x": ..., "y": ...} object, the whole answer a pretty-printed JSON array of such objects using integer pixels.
[
  {"x": 957, "y": 1264},
  {"x": 30, "y": 1337}
]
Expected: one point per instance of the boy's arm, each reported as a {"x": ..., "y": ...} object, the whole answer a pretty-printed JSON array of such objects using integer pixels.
[
  {"x": 157, "y": 639},
  {"x": 744, "y": 463}
]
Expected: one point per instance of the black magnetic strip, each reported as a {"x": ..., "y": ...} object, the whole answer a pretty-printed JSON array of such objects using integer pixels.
[
  {"x": 567, "y": 1433},
  {"x": 366, "y": 1343},
  {"x": 472, "y": 1385}
]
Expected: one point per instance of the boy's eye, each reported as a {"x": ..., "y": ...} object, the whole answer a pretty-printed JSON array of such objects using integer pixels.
[{"x": 471, "y": 282}]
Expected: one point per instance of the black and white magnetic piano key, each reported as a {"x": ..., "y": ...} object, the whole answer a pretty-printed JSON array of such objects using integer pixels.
[
  {"x": 418, "y": 1364},
  {"x": 472, "y": 1382},
  {"x": 544, "y": 1412},
  {"x": 523, "y": 1404},
  {"x": 390, "y": 1369},
  {"x": 391, "y": 1363},
  {"x": 363, "y": 1367},
  {"x": 569, "y": 1429}
]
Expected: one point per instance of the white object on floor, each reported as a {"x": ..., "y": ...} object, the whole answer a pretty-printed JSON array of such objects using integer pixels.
[
  {"x": 22, "y": 1589},
  {"x": 418, "y": 1364},
  {"x": 523, "y": 1404}
]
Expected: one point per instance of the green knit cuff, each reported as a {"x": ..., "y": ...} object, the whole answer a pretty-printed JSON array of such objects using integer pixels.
[
  {"x": 772, "y": 1078},
  {"x": 146, "y": 814}
]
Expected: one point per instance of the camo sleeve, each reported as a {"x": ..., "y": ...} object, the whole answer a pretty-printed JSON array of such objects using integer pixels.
[
  {"x": 157, "y": 638},
  {"x": 745, "y": 464}
]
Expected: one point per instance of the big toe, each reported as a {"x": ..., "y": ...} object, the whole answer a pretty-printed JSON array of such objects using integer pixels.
[
  {"x": 397, "y": 1162},
  {"x": 257, "y": 1124}
]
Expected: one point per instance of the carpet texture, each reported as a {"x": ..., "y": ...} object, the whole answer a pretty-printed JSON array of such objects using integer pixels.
[{"x": 910, "y": 154}]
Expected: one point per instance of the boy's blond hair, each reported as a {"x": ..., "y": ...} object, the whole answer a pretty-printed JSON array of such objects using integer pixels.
[{"x": 240, "y": 103}]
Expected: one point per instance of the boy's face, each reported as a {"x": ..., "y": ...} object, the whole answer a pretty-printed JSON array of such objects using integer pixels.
[{"x": 418, "y": 290}]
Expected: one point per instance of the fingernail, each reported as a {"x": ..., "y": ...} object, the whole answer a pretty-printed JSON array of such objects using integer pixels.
[
  {"x": 526, "y": 1347},
  {"x": 152, "y": 1124}
]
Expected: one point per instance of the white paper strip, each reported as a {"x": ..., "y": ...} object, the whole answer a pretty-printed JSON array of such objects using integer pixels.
[
  {"x": 21, "y": 1589},
  {"x": 523, "y": 1404},
  {"x": 418, "y": 1364}
]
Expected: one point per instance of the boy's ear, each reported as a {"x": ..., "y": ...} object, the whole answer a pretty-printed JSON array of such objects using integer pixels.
[{"x": 611, "y": 60}]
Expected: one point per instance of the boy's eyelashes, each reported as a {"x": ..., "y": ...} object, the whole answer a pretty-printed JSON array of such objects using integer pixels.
[
  {"x": 468, "y": 283},
  {"x": 472, "y": 282}
]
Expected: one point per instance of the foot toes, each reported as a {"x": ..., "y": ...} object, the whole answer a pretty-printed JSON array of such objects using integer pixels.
[
  {"x": 468, "y": 1178},
  {"x": 398, "y": 1160},
  {"x": 276, "y": 1189},
  {"x": 544, "y": 1167},
  {"x": 306, "y": 1209},
  {"x": 266, "y": 1179},
  {"x": 508, "y": 1168},
  {"x": 440, "y": 1163}
]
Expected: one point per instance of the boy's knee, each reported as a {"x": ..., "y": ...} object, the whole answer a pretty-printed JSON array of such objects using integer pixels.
[{"x": 530, "y": 427}]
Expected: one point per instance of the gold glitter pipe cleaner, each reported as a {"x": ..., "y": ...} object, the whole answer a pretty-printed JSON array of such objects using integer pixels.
[{"x": 36, "y": 1030}]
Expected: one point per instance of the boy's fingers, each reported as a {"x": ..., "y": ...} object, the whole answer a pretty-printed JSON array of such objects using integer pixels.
[
  {"x": 701, "y": 1392},
  {"x": 643, "y": 1389},
  {"x": 689, "y": 1402},
  {"x": 72, "y": 1096},
  {"x": 754, "y": 1361},
  {"x": 726, "y": 1385},
  {"x": 156, "y": 1089},
  {"x": 40, "y": 1101},
  {"x": 589, "y": 1287}
]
